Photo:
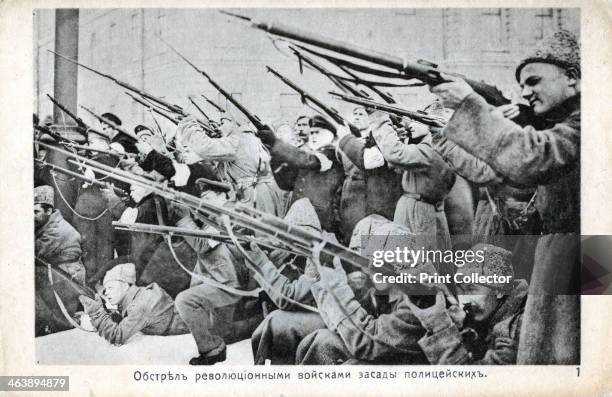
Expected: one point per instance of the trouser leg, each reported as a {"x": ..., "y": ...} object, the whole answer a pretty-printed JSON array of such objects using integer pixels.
[
  {"x": 322, "y": 347},
  {"x": 278, "y": 336}
]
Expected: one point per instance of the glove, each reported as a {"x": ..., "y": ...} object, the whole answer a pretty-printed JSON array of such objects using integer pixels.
[
  {"x": 373, "y": 158},
  {"x": 181, "y": 174},
  {"x": 91, "y": 305},
  {"x": 434, "y": 318},
  {"x": 267, "y": 136},
  {"x": 333, "y": 277},
  {"x": 326, "y": 163},
  {"x": 257, "y": 255}
]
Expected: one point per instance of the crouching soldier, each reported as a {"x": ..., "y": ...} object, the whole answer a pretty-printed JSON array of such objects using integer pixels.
[
  {"x": 377, "y": 329},
  {"x": 58, "y": 245},
  {"x": 488, "y": 331},
  {"x": 57, "y": 242},
  {"x": 208, "y": 306},
  {"x": 149, "y": 309}
]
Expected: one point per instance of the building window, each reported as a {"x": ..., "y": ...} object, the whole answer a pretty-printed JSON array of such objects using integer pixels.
[
  {"x": 494, "y": 29},
  {"x": 544, "y": 23}
]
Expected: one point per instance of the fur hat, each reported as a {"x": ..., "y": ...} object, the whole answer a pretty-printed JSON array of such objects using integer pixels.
[
  {"x": 125, "y": 272},
  {"x": 44, "y": 195},
  {"x": 497, "y": 261},
  {"x": 561, "y": 49}
]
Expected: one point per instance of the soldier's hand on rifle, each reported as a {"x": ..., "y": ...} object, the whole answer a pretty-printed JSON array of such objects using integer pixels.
[
  {"x": 109, "y": 194},
  {"x": 434, "y": 318},
  {"x": 267, "y": 136},
  {"x": 91, "y": 305},
  {"x": 333, "y": 277},
  {"x": 510, "y": 110},
  {"x": 257, "y": 255},
  {"x": 181, "y": 211},
  {"x": 453, "y": 92}
]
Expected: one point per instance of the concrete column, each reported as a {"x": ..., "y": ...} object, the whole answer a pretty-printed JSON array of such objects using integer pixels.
[
  {"x": 65, "y": 79},
  {"x": 65, "y": 91}
]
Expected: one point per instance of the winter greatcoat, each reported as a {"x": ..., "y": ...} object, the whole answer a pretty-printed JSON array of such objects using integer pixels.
[
  {"x": 382, "y": 185},
  {"x": 321, "y": 187},
  {"x": 243, "y": 161},
  {"x": 427, "y": 180},
  {"x": 548, "y": 159}
]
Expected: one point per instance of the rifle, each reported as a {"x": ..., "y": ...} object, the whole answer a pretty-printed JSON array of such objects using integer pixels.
[
  {"x": 109, "y": 152},
  {"x": 295, "y": 239},
  {"x": 65, "y": 171},
  {"x": 422, "y": 118},
  {"x": 110, "y": 123},
  {"x": 184, "y": 232},
  {"x": 56, "y": 136},
  {"x": 306, "y": 96},
  {"x": 144, "y": 94},
  {"x": 334, "y": 79},
  {"x": 252, "y": 118},
  {"x": 199, "y": 109},
  {"x": 153, "y": 108},
  {"x": 427, "y": 72},
  {"x": 171, "y": 107},
  {"x": 78, "y": 120},
  {"x": 219, "y": 108}
]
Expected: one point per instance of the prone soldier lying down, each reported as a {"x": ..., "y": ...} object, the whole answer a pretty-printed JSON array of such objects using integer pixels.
[{"x": 149, "y": 309}]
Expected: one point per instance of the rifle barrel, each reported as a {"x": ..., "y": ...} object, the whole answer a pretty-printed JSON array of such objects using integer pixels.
[
  {"x": 337, "y": 118},
  {"x": 110, "y": 123},
  {"x": 420, "y": 117},
  {"x": 421, "y": 71},
  {"x": 250, "y": 116}
]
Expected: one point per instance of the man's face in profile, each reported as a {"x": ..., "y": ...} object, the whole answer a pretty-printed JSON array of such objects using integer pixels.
[{"x": 546, "y": 86}]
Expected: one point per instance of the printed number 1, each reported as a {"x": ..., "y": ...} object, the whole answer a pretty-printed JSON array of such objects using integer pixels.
[{"x": 578, "y": 371}]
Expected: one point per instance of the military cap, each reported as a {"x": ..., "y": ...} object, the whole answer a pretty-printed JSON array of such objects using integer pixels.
[
  {"x": 497, "y": 261},
  {"x": 44, "y": 195},
  {"x": 125, "y": 272},
  {"x": 318, "y": 121},
  {"x": 561, "y": 49},
  {"x": 142, "y": 130},
  {"x": 111, "y": 117}
]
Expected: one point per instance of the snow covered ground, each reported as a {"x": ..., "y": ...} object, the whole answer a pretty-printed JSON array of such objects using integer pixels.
[{"x": 77, "y": 347}]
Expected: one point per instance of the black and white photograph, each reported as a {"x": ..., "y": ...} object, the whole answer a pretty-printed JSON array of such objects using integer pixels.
[{"x": 306, "y": 186}]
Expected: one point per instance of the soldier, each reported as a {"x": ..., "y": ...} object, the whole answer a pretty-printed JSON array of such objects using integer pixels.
[
  {"x": 209, "y": 310},
  {"x": 426, "y": 180},
  {"x": 380, "y": 329},
  {"x": 488, "y": 333},
  {"x": 548, "y": 159},
  {"x": 319, "y": 172},
  {"x": 56, "y": 241},
  {"x": 242, "y": 160},
  {"x": 367, "y": 174},
  {"x": 149, "y": 309}
]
